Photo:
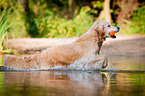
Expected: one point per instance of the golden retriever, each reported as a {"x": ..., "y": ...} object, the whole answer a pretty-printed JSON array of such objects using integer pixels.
[{"x": 89, "y": 44}]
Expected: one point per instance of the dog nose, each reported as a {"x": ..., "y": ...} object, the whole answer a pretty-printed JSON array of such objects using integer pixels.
[{"x": 118, "y": 28}]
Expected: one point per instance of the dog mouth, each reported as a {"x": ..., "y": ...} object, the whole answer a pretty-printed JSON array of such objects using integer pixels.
[{"x": 112, "y": 34}]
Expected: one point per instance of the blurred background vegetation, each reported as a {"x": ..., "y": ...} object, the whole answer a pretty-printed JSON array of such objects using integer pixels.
[{"x": 69, "y": 18}]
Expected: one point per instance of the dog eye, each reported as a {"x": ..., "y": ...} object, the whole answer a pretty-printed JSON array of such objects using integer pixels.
[{"x": 108, "y": 26}]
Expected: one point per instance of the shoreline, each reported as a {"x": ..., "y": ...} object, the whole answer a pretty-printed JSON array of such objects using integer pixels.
[{"x": 122, "y": 45}]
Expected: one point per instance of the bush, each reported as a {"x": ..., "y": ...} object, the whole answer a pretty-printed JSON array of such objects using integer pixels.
[
  {"x": 54, "y": 26},
  {"x": 137, "y": 25}
]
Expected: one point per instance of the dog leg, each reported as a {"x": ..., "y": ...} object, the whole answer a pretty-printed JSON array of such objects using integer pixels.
[{"x": 21, "y": 62}]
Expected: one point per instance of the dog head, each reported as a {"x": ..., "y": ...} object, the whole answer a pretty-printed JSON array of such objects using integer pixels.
[{"x": 104, "y": 28}]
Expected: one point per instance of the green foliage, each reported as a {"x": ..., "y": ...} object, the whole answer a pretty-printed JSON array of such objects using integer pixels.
[
  {"x": 97, "y": 5},
  {"x": 48, "y": 18},
  {"x": 18, "y": 29},
  {"x": 1, "y": 60},
  {"x": 54, "y": 26},
  {"x": 30, "y": 25},
  {"x": 137, "y": 25},
  {"x": 5, "y": 24}
]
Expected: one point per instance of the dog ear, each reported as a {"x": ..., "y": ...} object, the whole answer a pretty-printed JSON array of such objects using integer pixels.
[{"x": 100, "y": 29}]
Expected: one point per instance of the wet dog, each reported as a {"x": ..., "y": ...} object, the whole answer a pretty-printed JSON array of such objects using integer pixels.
[{"x": 89, "y": 44}]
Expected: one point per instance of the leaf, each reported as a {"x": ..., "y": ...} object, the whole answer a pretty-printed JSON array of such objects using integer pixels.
[{"x": 6, "y": 16}]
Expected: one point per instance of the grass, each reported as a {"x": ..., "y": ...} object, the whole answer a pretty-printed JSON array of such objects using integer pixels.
[{"x": 5, "y": 24}]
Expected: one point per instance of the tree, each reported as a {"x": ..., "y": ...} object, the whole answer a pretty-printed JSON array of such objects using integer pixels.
[
  {"x": 125, "y": 10},
  {"x": 105, "y": 14},
  {"x": 30, "y": 25},
  {"x": 72, "y": 8},
  {"x": 106, "y": 11}
]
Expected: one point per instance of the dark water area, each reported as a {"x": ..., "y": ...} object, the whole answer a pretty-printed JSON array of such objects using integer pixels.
[{"x": 78, "y": 83}]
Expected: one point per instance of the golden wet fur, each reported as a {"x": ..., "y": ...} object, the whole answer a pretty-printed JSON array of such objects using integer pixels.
[{"x": 86, "y": 45}]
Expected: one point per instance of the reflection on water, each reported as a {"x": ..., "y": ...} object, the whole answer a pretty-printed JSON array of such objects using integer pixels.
[
  {"x": 54, "y": 83},
  {"x": 66, "y": 83}
]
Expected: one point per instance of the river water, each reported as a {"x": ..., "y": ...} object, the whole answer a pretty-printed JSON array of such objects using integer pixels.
[{"x": 78, "y": 83}]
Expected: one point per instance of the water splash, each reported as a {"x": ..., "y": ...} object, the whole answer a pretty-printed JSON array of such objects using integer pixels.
[
  {"x": 110, "y": 67},
  {"x": 87, "y": 63}
]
